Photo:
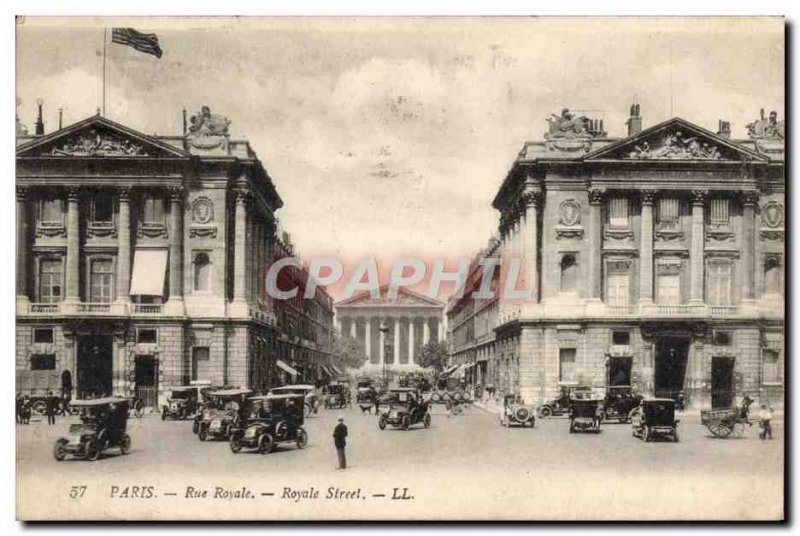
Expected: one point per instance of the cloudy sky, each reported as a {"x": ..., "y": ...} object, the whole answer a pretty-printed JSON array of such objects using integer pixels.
[{"x": 391, "y": 136}]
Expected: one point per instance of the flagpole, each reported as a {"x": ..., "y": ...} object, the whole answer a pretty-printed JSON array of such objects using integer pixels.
[{"x": 105, "y": 38}]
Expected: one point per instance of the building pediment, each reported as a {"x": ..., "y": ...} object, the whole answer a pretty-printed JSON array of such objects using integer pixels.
[
  {"x": 98, "y": 137},
  {"x": 675, "y": 140},
  {"x": 405, "y": 298}
]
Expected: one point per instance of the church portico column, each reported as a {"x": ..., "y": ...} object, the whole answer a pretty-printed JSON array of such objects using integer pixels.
[
  {"x": 411, "y": 360},
  {"x": 396, "y": 356},
  {"x": 426, "y": 330},
  {"x": 353, "y": 327},
  {"x": 381, "y": 343},
  {"x": 368, "y": 337}
]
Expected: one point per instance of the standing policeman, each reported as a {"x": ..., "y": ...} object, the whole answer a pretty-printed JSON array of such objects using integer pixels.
[{"x": 339, "y": 435}]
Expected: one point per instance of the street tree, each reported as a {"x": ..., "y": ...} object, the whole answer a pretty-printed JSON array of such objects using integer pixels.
[
  {"x": 349, "y": 351},
  {"x": 434, "y": 355}
]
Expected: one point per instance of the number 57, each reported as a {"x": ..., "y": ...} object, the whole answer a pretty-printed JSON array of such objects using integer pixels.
[{"x": 76, "y": 492}]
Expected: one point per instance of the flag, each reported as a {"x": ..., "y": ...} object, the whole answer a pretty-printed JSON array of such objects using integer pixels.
[{"x": 147, "y": 43}]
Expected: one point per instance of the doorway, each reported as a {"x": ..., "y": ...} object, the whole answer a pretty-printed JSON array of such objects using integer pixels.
[
  {"x": 722, "y": 382},
  {"x": 95, "y": 365},
  {"x": 670, "y": 369},
  {"x": 146, "y": 377},
  {"x": 619, "y": 371}
]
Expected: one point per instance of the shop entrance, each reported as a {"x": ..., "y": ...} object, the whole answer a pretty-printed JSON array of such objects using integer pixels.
[
  {"x": 146, "y": 376},
  {"x": 95, "y": 365},
  {"x": 722, "y": 382},
  {"x": 670, "y": 369}
]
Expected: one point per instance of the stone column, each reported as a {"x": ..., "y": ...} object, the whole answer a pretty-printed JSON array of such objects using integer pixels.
[
  {"x": 239, "y": 265},
  {"x": 532, "y": 199},
  {"x": 124, "y": 245},
  {"x": 368, "y": 337},
  {"x": 411, "y": 340},
  {"x": 381, "y": 348},
  {"x": 438, "y": 330},
  {"x": 646, "y": 249},
  {"x": 426, "y": 330},
  {"x": 175, "y": 303},
  {"x": 749, "y": 200},
  {"x": 698, "y": 239},
  {"x": 396, "y": 356},
  {"x": 22, "y": 246},
  {"x": 595, "y": 236},
  {"x": 72, "y": 291},
  {"x": 353, "y": 328}
]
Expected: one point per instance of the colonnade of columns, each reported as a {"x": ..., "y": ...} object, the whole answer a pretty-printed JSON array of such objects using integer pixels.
[{"x": 400, "y": 344}]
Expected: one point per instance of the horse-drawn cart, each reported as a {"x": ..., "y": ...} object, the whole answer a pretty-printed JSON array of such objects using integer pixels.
[{"x": 727, "y": 422}]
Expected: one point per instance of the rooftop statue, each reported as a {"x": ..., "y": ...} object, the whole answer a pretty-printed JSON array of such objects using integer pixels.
[
  {"x": 770, "y": 129},
  {"x": 207, "y": 124},
  {"x": 570, "y": 125}
]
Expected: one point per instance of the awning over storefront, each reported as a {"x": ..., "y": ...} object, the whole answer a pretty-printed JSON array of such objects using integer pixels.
[
  {"x": 334, "y": 367},
  {"x": 149, "y": 270},
  {"x": 286, "y": 367},
  {"x": 469, "y": 366},
  {"x": 450, "y": 369},
  {"x": 327, "y": 371}
]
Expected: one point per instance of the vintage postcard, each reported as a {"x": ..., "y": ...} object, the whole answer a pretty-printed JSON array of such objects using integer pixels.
[{"x": 415, "y": 269}]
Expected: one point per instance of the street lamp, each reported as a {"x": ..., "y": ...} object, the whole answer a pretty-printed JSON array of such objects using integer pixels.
[{"x": 386, "y": 350}]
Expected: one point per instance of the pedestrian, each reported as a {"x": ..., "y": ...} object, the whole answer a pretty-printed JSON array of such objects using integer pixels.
[
  {"x": 51, "y": 406},
  {"x": 764, "y": 418},
  {"x": 25, "y": 417},
  {"x": 339, "y": 435},
  {"x": 18, "y": 410}
]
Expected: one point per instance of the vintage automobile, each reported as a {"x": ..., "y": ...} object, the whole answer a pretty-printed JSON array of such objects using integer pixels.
[
  {"x": 183, "y": 402},
  {"x": 655, "y": 418},
  {"x": 103, "y": 423},
  {"x": 338, "y": 396},
  {"x": 585, "y": 414},
  {"x": 221, "y": 413},
  {"x": 560, "y": 404},
  {"x": 516, "y": 412},
  {"x": 404, "y": 407},
  {"x": 620, "y": 402},
  {"x": 270, "y": 420},
  {"x": 308, "y": 391}
]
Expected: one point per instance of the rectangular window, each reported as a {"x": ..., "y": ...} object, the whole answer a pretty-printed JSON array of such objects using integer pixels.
[
  {"x": 719, "y": 283},
  {"x": 101, "y": 281},
  {"x": 722, "y": 338},
  {"x": 153, "y": 211},
  {"x": 51, "y": 211},
  {"x": 618, "y": 289},
  {"x": 50, "y": 280},
  {"x": 146, "y": 336},
  {"x": 566, "y": 360},
  {"x": 719, "y": 212},
  {"x": 621, "y": 338},
  {"x": 200, "y": 361},
  {"x": 669, "y": 214},
  {"x": 102, "y": 208},
  {"x": 669, "y": 289},
  {"x": 770, "y": 366},
  {"x": 43, "y": 336},
  {"x": 43, "y": 362},
  {"x": 618, "y": 213}
]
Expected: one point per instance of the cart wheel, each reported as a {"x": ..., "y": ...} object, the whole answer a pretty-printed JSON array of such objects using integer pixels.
[
  {"x": 58, "y": 449},
  {"x": 302, "y": 438},
  {"x": 266, "y": 443},
  {"x": 125, "y": 444},
  {"x": 426, "y": 421},
  {"x": 92, "y": 451},
  {"x": 382, "y": 423},
  {"x": 139, "y": 410},
  {"x": 646, "y": 434},
  {"x": 545, "y": 412},
  {"x": 235, "y": 445},
  {"x": 720, "y": 430},
  {"x": 738, "y": 430},
  {"x": 201, "y": 434},
  {"x": 406, "y": 422},
  {"x": 39, "y": 407}
]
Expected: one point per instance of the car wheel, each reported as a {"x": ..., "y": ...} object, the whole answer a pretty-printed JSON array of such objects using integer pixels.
[
  {"x": 309, "y": 410},
  {"x": 235, "y": 445},
  {"x": 266, "y": 443},
  {"x": 281, "y": 429},
  {"x": 382, "y": 423},
  {"x": 195, "y": 426},
  {"x": 125, "y": 444},
  {"x": 646, "y": 434},
  {"x": 139, "y": 410},
  {"x": 302, "y": 438},
  {"x": 406, "y": 422},
  {"x": 545, "y": 412},
  {"x": 92, "y": 451},
  {"x": 426, "y": 421},
  {"x": 201, "y": 434},
  {"x": 58, "y": 449}
]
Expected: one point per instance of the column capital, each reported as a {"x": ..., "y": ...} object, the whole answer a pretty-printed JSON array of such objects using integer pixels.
[
  {"x": 699, "y": 197},
  {"x": 74, "y": 193},
  {"x": 124, "y": 193},
  {"x": 532, "y": 198},
  {"x": 175, "y": 193},
  {"x": 22, "y": 193},
  {"x": 749, "y": 197},
  {"x": 242, "y": 196},
  {"x": 596, "y": 195},
  {"x": 648, "y": 196}
]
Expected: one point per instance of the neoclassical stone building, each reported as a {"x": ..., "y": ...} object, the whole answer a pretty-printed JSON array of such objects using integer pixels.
[
  {"x": 413, "y": 320},
  {"x": 656, "y": 260},
  {"x": 141, "y": 263}
]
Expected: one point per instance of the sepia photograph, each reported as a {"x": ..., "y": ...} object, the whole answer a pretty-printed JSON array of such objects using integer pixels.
[{"x": 400, "y": 268}]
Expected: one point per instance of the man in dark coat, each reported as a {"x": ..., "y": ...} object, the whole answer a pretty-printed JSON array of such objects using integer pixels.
[
  {"x": 339, "y": 435},
  {"x": 51, "y": 407}
]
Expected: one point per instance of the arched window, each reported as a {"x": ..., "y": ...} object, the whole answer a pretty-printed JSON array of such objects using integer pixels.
[
  {"x": 772, "y": 276},
  {"x": 202, "y": 272},
  {"x": 569, "y": 273}
]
